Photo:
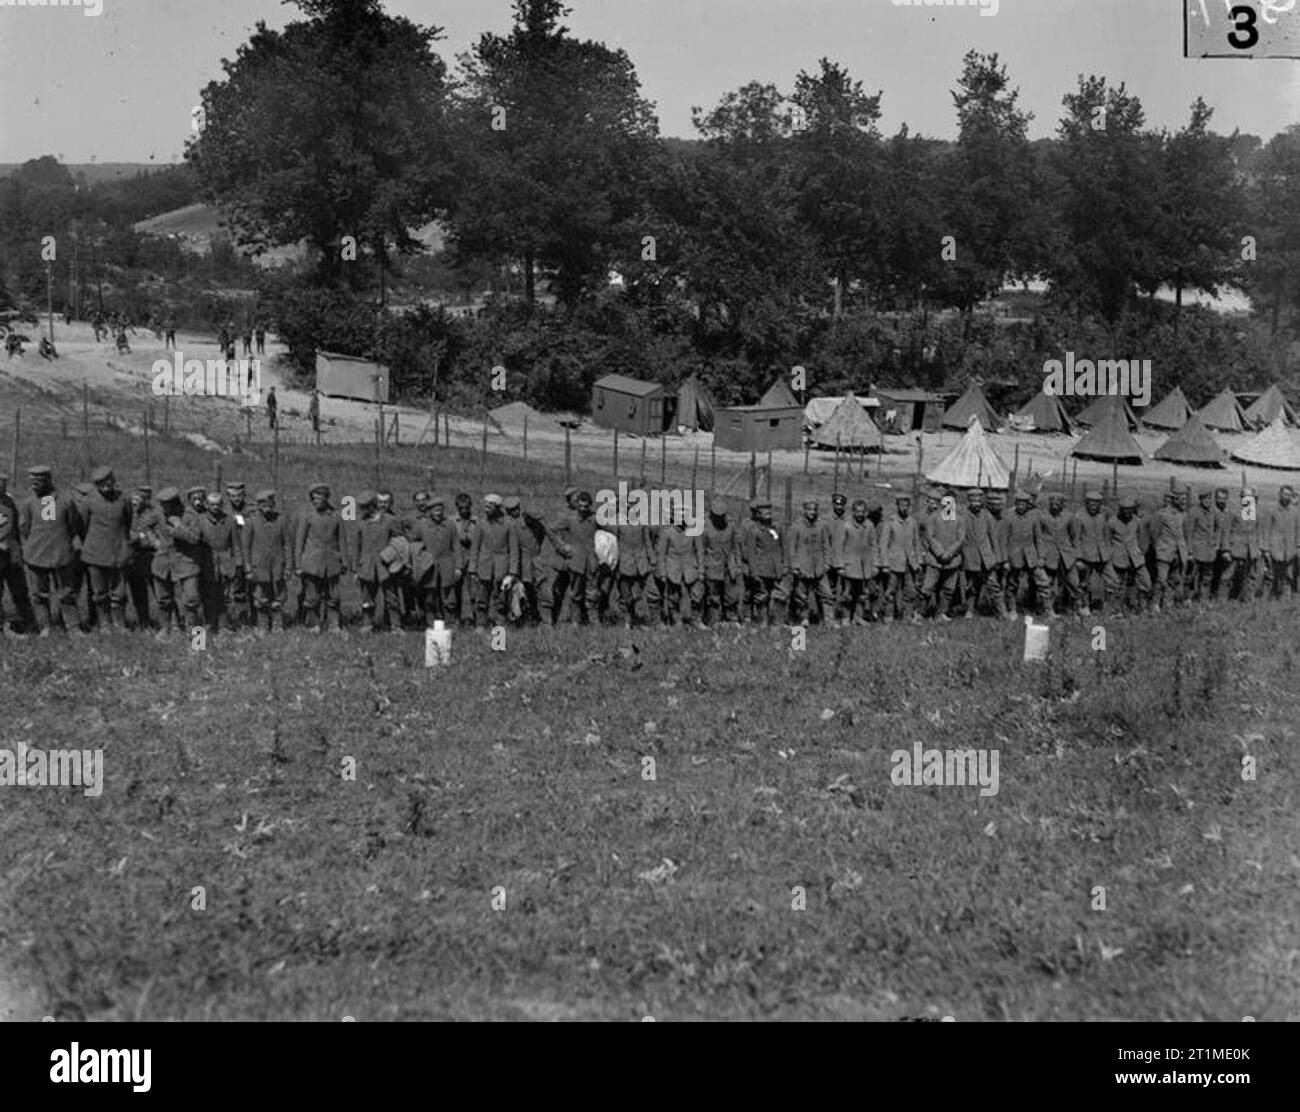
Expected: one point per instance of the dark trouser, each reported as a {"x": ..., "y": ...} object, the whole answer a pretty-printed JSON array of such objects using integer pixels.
[
  {"x": 137, "y": 586},
  {"x": 190, "y": 599},
  {"x": 373, "y": 592},
  {"x": 108, "y": 593},
  {"x": 632, "y": 594},
  {"x": 466, "y": 599},
  {"x": 762, "y": 591},
  {"x": 583, "y": 598},
  {"x": 11, "y": 576},
  {"x": 1090, "y": 572},
  {"x": 1239, "y": 578},
  {"x": 1065, "y": 585},
  {"x": 1200, "y": 578},
  {"x": 321, "y": 597},
  {"x": 1116, "y": 581},
  {"x": 1016, "y": 580},
  {"x": 53, "y": 594},
  {"x": 552, "y": 587},
  {"x": 268, "y": 600},
  {"x": 492, "y": 602},
  {"x": 899, "y": 596},
  {"x": 164, "y": 597},
  {"x": 818, "y": 587},
  {"x": 938, "y": 586},
  {"x": 855, "y": 598},
  {"x": 679, "y": 597},
  {"x": 237, "y": 600},
  {"x": 1169, "y": 574},
  {"x": 982, "y": 580},
  {"x": 439, "y": 599},
  {"x": 1280, "y": 577},
  {"x": 720, "y": 595}
]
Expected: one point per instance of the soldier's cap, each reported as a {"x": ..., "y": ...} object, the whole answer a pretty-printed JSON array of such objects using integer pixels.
[
  {"x": 859, "y": 504},
  {"x": 1054, "y": 498},
  {"x": 39, "y": 470},
  {"x": 214, "y": 498},
  {"x": 1220, "y": 490},
  {"x": 839, "y": 499},
  {"x": 1205, "y": 492},
  {"x": 144, "y": 490},
  {"x": 493, "y": 500},
  {"x": 318, "y": 487},
  {"x": 811, "y": 504},
  {"x": 583, "y": 496},
  {"x": 1249, "y": 492},
  {"x": 266, "y": 495},
  {"x": 235, "y": 488},
  {"x": 569, "y": 492},
  {"x": 168, "y": 494},
  {"x": 1286, "y": 487},
  {"x": 934, "y": 492},
  {"x": 196, "y": 490},
  {"x": 101, "y": 474},
  {"x": 83, "y": 488},
  {"x": 1091, "y": 495},
  {"x": 420, "y": 497},
  {"x": 437, "y": 500},
  {"x": 1022, "y": 496},
  {"x": 718, "y": 508},
  {"x": 1128, "y": 502},
  {"x": 902, "y": 497},
  {"x": 760, "y": 505},
  {"x": 366, "y": 498},
  {"x": 513, "y": 503}
]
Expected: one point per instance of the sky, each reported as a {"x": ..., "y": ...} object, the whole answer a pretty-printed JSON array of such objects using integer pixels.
[{"x": 120, "y": 86}]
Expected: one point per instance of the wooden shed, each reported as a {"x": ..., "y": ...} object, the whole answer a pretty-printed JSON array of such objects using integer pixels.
[
  {"x": 906, "y": 410},
  {"x": 775, "y": 423},
  {"x": 630, "y": 405}
]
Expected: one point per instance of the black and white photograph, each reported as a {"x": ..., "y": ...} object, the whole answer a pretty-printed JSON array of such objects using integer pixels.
[{"x": 625, "y": 511}]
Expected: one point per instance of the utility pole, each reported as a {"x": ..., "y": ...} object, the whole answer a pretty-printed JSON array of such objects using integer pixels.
[{"x": 49, "y": 297}]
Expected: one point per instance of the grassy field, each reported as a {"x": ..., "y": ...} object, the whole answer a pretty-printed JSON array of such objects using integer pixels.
[{"x": 523, "y": 770}]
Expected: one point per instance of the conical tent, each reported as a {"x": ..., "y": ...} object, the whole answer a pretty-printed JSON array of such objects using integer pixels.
[
  {"x": 1223, "y": 412},
  {"x": 971, "y": 405},
  {"x": 1192, "y": 444},
  {"x": 1268, "y": 407},
  {"x": 1171, "y": 412},
  {"x": 972, "y": 463},
  {"x": 779, "y": 396},
  {"x": 818, "y": 411},
  {"x": 1100, "y": 409},
  {"x": 849, "y": 427},
  {"x": 1109, "y": 440},
  {"x": 1272, "y": 447},
  {"x": 1047, "y": 414},
  {"x": 694, "y": 406}
]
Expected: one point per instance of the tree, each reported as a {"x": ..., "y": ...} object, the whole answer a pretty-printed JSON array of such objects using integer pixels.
[
  {"x": 554, "y": 139},
  {"x": 333, "y": 127},
  {"x": 1273, "y": 276}
]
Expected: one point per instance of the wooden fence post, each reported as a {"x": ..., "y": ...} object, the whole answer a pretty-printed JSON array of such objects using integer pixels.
[
  {"x": 663, "y": 458},
  {"x": 482, "y": 462},
  {"x": 525, "y": 437},
  {"x": 18, "y": 433},
  {"x": 695, "y": 469},
  {"x": 789, "y": 500},
  {"x": 753, "y": 476},
  {"x": 713, "y": 467},
  {"x": 616, "y": 458},
  {"x": 85, "y": 430},
  {"x": 568, "y": 457}
]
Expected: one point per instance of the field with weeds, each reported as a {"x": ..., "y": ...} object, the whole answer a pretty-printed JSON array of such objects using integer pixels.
[{"x": 502, "y": 853}]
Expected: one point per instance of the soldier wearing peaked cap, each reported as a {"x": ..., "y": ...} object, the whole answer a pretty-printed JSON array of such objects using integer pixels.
[
  {"x": 436, "y": 567},
  {"x": 1203, "y": 545},
  {"x": 836, "y": 529},
  {"x": 493, "y": 562},
  {"x": 139, "y": 560},
  {"x": 1240, "y": 578},
  {"x": 48, "y": 524},
  {"x": 106, "y": 547},
  {"x": 11, "y": 563},
  {"x": 762, "y": 556},
  {"x": 1280, "y": 541},
  {"x": 1168, "y": 528},
  {"x": 857, "y": 556},
  {"x": 269, "y": 555},
  {"x": 371, "y": 535},
  {"x": 465, "y": 523},
  {"x": 239, "y": 601},
  {"x": 318, "y": 558},
  {"x": 944, "y": 542},
  {"x": 1024, "y": 561},
  {"x": 1125, "y": 562},
  {"x": 721, "y": 567},
  {"x": 679, "y": 561},
  {"x": 808, "y": 560},
  {"x": 979, "y": 557},
  {"x": 1059, "y": 550},
  {"x": 636, "y": 568},
  {"x": 900, "y": 561},
  {"x": 224, "y": 558}
]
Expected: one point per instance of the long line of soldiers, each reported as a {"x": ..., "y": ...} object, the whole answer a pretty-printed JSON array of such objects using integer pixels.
[{"x": 208, "y": 559}]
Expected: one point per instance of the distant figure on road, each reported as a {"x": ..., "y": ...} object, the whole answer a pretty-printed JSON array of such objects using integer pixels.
[
  {"x": 169, "y": 338},
  {"x": 272, "y": 405},
  {"x": 47, "y": 348},
  {"x": 248, "y": 339},
  {"x": 122, "y": 346},
  {"x": 97, "y": 323},
  {"x": 313, "y": 410},
  {"x": 260, "y": 332},
  {"x": 13, "y": 345}
]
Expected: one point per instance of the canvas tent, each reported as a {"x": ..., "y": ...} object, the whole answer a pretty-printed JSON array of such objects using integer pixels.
[
  {"x": 1273, "y": 446},
  {"x": 1223, "y": 412},
  {"x": 818, "y": 411},
  {"x": 1101, "y": 408},
  {"x": 345, "y": 376},
  {"x": 694, "y": 406},
  {"x": 849, "y": 427},
  {"x": 1266, "y": 409},
  {"x": 1045, "y": 413},
  {"x": 972, "y": 463},
  {"x": 1109, "y": 440},
  {"x": 1192, "y": 444},
  {"x": 778, "y": 396},
  {"x": 513, "y": 415},
  {"x": 1171, "y": 412},
  {"x": 970, "y": 406}
]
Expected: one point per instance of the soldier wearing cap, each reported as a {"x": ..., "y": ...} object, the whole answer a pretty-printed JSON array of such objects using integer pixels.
[
  {"x": 11, "y": 563},
  {"x": 522, "y": 599},
  {"x": 836, "y": 529},
  {"x": 944, "y": 547},
  {"x": 1280, "y": 542},
  {"x": 223, "y": 559},
  {"x": 576, "y": 529},
  {"x": 105, "y": 547},
  {"x": 493, "y": 562},
  {"x": 1168, "y": 529},
  {"x": 679, "y": 561},
  {"x": 139, "y": 557},
  {"x": 762, "y": 557},
  {"x": 900, "y": 560},
  {"x": 808, "y": 558},
  {"x": 979, "y": 557},
  {"x": 1203, "y": 543},
  {"x": 1091, "y": 537},
  {"x": 318, "y": 558},
  {"x": 857, "y": 557},
  {"x": 1060, "y": 552},
  {"x": 1240, "y": 579},
  {"x": 368, "y": 539},
  {"x": 151, "y": 532},
  {"x": 722, "y": 570},
  {"x": 239, "y": 600},
  {"x": 1125, "y": 564},
  {"x": 995, "y": 503},
  {"x": 268, "y": 556},
  {"x": 436, "y": 567},
  {"x": 465, "y": 523},
  {"x": 1223, "y": 565},
  {"x": 178, "y": 559},
  {"x": 1024, "y": 562},
  {"x": 48, "y": 524},
  {"x": 636, "y": 568}
]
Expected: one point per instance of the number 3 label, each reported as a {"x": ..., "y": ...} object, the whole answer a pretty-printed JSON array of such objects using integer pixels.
[
  {"x": 1246, "y": 29},
  {"x": 1244, "y": 35}
]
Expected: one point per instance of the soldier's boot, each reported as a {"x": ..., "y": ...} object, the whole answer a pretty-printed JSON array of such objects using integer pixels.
[
  {"x": 335, "y": 621},
  {"x": 275, "y": 620}
]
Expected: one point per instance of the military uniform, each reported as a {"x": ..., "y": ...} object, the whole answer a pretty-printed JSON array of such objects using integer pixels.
[
  {"x": 1169, "y": 544},
  {"x": 636, "y": 566},
  {"x": 494, "y": 555},
  {"x": 466, "y": 602},
  {"x": 437, "y": 568},
  {"x": 1203, "y": 543},
  {"x": 47, "y": 525},
  {"x": 979, "y": 561},
  {"x": 11, "y": 564},
  {"x": 836, "y": 528},
  {"x": 1240, "y": 578},
  {"x": 268, "y": 555},
  {"x": 1090, "y": 534},
  {"x": 1021, "y": 530},
  {"x": 763, "y": 559},
  {"x": 679, "y": 561},
  {"x": 239, "y": 594},
  {"x": 721, "y": 567},
  {"x": 223, "y": 559},
  {"x": 1125, "y": 563},
  {"x": 1281, "y": 544},
  {"x": 900, "y": 560},
  {"x": 318, "y": 555},
  {"x": 1060, "y": 553},
  {"x": 857, "y": 561},
  {"x": 105, "y": 549},
  {"x": 808, "y": 560},
  {"x": 369, "y": 538},
  {"x": 945, "y": 542}
]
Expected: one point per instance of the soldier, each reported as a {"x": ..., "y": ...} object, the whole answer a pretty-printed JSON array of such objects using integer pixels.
[
  {"x": 493, "y": 562},
  {"x": 1023, "y": 558},
  {"x": 313, "y": 411},
  {"x": 551, "y": 567},
  {"x": 11, "y": 564},
  {"x": 995, "y": 506},
  {"x": 636, "y": 566},
  {"x": 522, "y": 603},
  {"x": 1169, "y": 541},
  {"x": 680, "y": 561},
  {"x": 105, "y": 547},
  {"x": 900, "y": 560},
  {"x": 1090, "y": 533},
  {"x": 139, "y": 557},
  {"x": 272, "y": 408},
  {"x": 318, "y": 558},
  {"x": 188, "y": 559},
  {"x": 47, "y": 525},
  {"x": 1060, "y": 553},
  {"x": 578, "y": 530},
  {"x": 465, "y": 523},
  {"x": 807, "y": 561},
  {"x": 1223, "y": 513},
  {"x": 239, "y": 602},
  {"x": 945, "y": 543},
  {"x": 1203, "y": 542},
  {"x": 1281, "y": 538},
  {"x": 1125, "y": 565},
  {"x": 437, "y": 568},
  {"x": 721, "y": 567},
  {"x": 763, "y": 560},
  {"x": 1241, "y": 551},
  {"x": 81, "y": 593},
  {"x": 223, "y": 559},
  {"x": 260, "y": 333},
  {"x": 836, "y": 529},
  {"x": 268, "y": 556},
  {"x": 369, "y": 538},
  {"x": 857, "y": 560},
  {"x": 979, "y": 557},
  {"x": 151, "y": 533}
]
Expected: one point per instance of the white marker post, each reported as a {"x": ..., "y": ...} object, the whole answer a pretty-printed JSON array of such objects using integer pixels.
[
  {"x": 1036, "y": 639},
  {"x": 437, "y": 645}
]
